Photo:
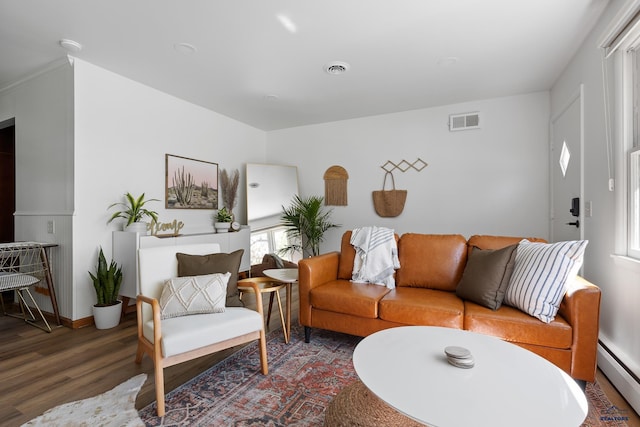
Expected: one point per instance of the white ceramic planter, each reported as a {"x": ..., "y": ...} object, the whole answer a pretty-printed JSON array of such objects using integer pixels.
[
  {"x": 137, "y": 227},
  {"x": 107, "y": 317},
  {"x": 222, "y": 227}
]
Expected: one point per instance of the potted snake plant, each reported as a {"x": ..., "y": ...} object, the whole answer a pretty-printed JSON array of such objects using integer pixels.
[{"x": 106, "y": 279}]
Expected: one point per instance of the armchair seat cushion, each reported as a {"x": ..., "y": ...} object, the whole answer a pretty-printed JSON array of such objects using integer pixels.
[{"x": 183, "y": 334}]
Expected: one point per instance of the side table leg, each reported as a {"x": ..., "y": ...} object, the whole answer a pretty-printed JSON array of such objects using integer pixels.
[
  {"x": 289, "y": 285},
  {"x": 49, "y": 279}
]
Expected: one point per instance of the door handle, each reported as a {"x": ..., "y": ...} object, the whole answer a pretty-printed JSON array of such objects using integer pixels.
[{"x": 576, "y": 223}]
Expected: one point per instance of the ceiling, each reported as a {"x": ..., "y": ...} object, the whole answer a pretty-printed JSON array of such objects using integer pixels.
[{"x": 262, "y": 62}]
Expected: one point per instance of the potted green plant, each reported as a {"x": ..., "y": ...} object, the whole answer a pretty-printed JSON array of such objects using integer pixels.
[
  {"x": 223, "y": 220},
  {"x": 134, "y": 212},
  {"x": 306, "y": 221},
  {"x": 106, "y": 282}
]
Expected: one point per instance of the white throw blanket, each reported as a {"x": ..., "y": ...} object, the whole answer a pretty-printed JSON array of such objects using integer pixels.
[{"x": 376, "y": 256}]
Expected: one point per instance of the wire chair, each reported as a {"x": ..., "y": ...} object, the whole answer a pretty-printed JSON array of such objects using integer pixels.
[{"x": 21, "y": 267}]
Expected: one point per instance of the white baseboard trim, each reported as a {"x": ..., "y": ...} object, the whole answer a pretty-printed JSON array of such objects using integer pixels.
[{"x": 625, "y": 383}]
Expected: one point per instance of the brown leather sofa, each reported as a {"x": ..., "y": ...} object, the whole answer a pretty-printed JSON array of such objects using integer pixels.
[{"x": 431, "y": 268}]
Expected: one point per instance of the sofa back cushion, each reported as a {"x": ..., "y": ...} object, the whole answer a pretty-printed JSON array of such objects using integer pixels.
[
  {"x": 347, "y": 256},
  {"x": 497, "y": 242},
  {"x": 434, "y": 261}
]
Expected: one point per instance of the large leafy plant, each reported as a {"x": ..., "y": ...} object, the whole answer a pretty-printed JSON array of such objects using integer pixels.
[
  {"x": 306, "y": 221},
  {"x": 106, "y": 281},
  {"x": 134, "y": 210}
]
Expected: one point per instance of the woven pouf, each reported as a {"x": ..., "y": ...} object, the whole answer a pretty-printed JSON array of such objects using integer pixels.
[{"x": 356, "y": 406}]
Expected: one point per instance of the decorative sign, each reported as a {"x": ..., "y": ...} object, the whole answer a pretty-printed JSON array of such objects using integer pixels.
[{"x": 175, "y": 226}]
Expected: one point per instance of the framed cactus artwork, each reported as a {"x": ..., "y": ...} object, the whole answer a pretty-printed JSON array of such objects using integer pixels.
[{"x": 190, "y": 183}]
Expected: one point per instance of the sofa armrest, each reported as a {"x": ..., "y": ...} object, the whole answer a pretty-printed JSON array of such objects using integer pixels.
[
  {"x": 581, "y": 308},
  {"x": 313, "y": 272}
]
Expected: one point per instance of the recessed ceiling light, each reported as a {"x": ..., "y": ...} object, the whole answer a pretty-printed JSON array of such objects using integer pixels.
[
  {"x": 185, "y": 48},
  {"x": 70, "y": 45},
  {"x": 270, "y": 98},
  {"x": 336, "y": 68}
]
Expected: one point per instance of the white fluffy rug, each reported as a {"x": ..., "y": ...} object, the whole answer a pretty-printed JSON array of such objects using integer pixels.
[{"x": 115, "y": 407}]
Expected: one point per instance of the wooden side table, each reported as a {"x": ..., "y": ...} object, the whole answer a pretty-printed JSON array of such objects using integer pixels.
[
  {"x": 272, "y": 287},
  {"x": 288, "y": 276}
]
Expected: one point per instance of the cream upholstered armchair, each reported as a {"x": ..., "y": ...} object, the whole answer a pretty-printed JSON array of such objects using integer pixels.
[{"x": 174, "y": 340}]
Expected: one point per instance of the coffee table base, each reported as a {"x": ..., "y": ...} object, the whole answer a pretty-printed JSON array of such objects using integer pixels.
[{"x": 357, "y": 406}]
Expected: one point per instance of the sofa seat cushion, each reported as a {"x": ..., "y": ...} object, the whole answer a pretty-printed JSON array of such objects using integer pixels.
[
  {"x": 513, "y": 325},
  {"x": 186, "y": 333},
  {"x": 344, "y": 296},
  {"x": 422, "y": 307},
  {"x": 431, "y": 261}
]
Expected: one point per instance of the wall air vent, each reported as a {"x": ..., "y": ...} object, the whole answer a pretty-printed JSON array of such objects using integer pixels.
[{"x": 464, "y": 121}]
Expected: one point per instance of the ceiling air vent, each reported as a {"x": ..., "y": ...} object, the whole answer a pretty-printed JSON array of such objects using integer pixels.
[{"x": 464, "y": 121}]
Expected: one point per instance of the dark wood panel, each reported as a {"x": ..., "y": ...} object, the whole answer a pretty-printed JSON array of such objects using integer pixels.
[{"x": 7, "y": 183}]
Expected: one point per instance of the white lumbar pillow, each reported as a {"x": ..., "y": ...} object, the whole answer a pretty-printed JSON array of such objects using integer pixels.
[{"x": 183, "y": 296}]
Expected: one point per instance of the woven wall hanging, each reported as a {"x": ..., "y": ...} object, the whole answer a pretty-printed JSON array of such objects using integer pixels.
[{"x": 335, "y": 186}]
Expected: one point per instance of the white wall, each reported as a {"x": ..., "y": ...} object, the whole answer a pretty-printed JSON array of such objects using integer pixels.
[
  {"x": 488, "y": 181},
  {"x": 122, "y": 132},
  {"x": 43, "y": 111},
  {"x": 618, "y": 280}
]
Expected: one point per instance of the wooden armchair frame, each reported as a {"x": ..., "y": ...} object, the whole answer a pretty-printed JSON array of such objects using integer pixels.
[{"x": 154, "y": 349}]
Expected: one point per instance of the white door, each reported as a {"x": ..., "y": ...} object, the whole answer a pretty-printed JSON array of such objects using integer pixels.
[{"x": 566, "y": 172}]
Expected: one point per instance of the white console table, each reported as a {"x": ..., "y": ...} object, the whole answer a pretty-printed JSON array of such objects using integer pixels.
[{"x": 126, "y": 245}]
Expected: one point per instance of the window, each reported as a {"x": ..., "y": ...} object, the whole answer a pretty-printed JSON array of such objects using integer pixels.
[
  {"x": 621, "y": 46},
  {"x": 268, "y": 241},
  {"x": 631, "y": 149}
]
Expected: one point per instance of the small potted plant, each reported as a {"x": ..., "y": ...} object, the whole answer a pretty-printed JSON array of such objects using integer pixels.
[
  {"x": 106, "y": 282},
  {"x": 134, "y": 212},
  {"x": 223, "y": 220}
]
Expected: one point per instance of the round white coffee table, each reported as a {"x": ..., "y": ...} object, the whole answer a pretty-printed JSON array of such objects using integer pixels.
[{"x": 406, "y": 367}]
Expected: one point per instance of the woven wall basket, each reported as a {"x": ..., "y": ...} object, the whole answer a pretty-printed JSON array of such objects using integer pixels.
[{"x": 389, "y": 203}]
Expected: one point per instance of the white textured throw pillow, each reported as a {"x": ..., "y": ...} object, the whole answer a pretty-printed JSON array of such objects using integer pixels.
[
  {"x": 182, "y": 296},
  {"x": 540, "y": 276}
]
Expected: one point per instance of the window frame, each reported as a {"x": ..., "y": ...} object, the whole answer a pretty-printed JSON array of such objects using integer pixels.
[
  {"x": 629, "y": 145},
  {"x": 620, "y": 45},
  {"x": 633, "y": 230}
]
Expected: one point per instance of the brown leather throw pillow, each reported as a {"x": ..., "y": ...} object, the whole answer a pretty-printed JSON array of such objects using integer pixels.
[
  {"x": 486, "y": 276},
  {"x": 198, "y": 265}
]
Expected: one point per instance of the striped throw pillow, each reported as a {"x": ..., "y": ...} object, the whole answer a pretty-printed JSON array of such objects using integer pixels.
[{"x": 540, "y": 276}]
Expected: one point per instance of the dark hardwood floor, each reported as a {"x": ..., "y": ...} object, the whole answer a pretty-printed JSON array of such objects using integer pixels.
[{"x": 39, "y": 370}]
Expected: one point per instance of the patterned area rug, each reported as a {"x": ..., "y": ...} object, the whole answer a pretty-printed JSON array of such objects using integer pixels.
[
  {"x": 115, "y": 407},
  {"x": 302, "y": 381},
  {"x": 601, "y": 411}
]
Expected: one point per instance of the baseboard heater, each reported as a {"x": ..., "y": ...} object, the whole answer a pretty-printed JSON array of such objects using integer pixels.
[{"x": 620, "y": 375}]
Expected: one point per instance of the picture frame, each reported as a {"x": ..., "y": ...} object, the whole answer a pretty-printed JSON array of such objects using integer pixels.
[{"x": 190, "y": 183}]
